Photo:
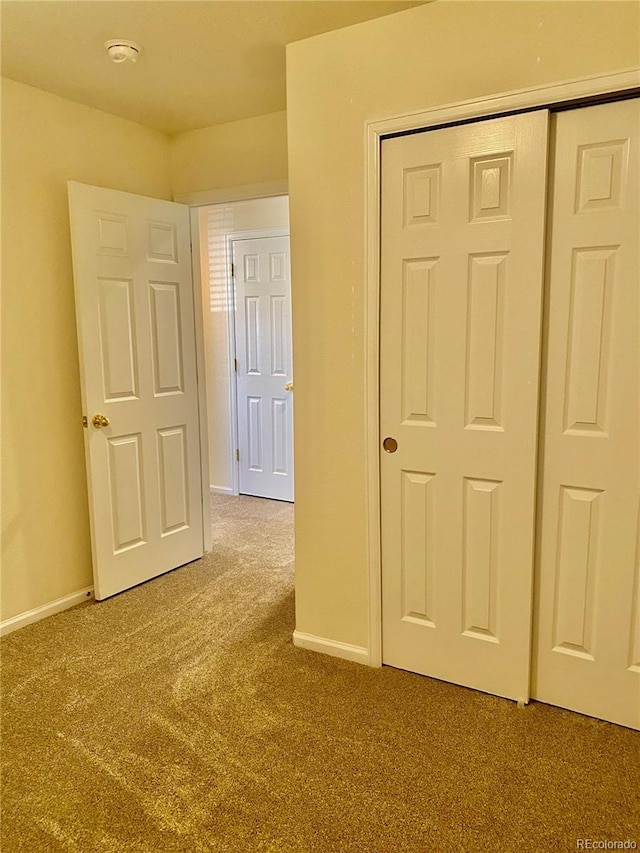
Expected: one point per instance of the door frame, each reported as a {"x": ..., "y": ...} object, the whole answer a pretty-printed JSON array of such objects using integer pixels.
[
  {"x": 201, "y": 376},
  {"x": 570, "y": 93},
  {"x": 230, "y": 239}
]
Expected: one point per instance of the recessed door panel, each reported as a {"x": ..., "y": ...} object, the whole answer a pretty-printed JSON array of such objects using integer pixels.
[
  {"x": 592, "y": 277},
  {"x": 481, "y": 532},
  {"x": 602, "y": 175},
  {"x": 162, "y": 242},
  {"x": 126, "y": 487},
  {"x": 279, "y": 430},
  {"x": 278, "y": 266},
  {"x": 113, "y": 234},
  {"x": 485, "y": 341},
  {"x": 418, "y": 340},
  {"x": 576, "y": 570},
  {"x": 254, "y": 423},
  {"x": 166, "y": 330},
  {"x": 252, "y": 268},
  {"x": 252, "y": 334},
  {"x": 118, "y": 346},
  {"x": 279, "y": 336},
  {"x": 173, "y": 475},
  {"x": 421, "y": 194},
  {"x": 417, "y": 546},
  {"x": 490, "y": 187}
]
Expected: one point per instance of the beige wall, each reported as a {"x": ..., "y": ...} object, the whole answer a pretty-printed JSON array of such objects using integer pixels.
[
  {"x": 216, "y": 223},
  {"x": 251, "y": 151},
  {"x": 46, "y": 141},
  {"x": 432, "y": 55}
]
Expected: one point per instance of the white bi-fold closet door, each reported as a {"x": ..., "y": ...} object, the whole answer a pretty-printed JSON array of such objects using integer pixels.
[{"x": 472, "y": 430}]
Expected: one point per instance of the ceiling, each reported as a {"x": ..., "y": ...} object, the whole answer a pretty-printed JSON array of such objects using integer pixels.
[{"x": 204, "y": 62}]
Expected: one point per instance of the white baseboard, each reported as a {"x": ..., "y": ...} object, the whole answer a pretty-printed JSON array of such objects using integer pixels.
[
  {"x": 45, "y": 610},
  {"x": 221, "y": 490},
  {"x": 331, "y": 647}
]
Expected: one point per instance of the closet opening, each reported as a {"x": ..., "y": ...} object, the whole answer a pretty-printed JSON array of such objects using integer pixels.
[{"x": 473, "y": 420}]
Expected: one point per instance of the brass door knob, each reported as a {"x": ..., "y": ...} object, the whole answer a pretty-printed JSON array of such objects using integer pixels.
[
  {"x": 390, "y": 444},
  {"x": 100, "y": 421},
  {"x": 288, "y": 386}
]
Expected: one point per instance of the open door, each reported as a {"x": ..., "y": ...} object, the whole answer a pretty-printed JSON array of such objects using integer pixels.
[{"x": 136, "y": 336}]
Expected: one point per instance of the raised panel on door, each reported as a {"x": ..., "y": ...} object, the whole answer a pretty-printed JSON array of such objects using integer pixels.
[
  {"x": 126, "y": 492},
  {"x": 162, "y": 242},
  {"x": 481, "y": 559},
  {"x": 166, "y": 333},
  {"x": 264, "y": 368},
  {"x": 417, "y": 557},
  {"x": 254, "y": 434},
  {"x": 135, "y": 318},
  {"x": 278, "y": 334},
  {"x": 485, "y": 340},
  {"x": 588, "y": 335},
  {"x": 461, "y": 292},
  {"x": 173, "y": 477},
  {"x": 118, "y": 345},
  {"x": 586, "y": 619},
  {"x": 577, "y": 553},
  {"x": 252, "y": 335},
  {"x": 280, "y": 436},
  {"x": 418, "y": 340}
]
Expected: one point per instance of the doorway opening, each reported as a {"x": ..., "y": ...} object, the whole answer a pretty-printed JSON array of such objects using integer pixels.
[{"x": 243, "y": 257}]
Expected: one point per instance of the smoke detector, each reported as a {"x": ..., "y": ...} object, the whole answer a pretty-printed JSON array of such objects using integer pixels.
[{"x": 121, "y": 50}]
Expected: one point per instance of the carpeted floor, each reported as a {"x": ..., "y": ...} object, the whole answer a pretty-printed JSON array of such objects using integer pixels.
[{"x": 178, "y": 716}]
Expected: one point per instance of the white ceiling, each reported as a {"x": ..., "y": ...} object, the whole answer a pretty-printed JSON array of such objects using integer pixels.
[{"x": 204, "y": 62}]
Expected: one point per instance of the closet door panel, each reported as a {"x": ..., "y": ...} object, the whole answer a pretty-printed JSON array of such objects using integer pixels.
[
  {"x": 461, "y": 292},
  {"x": 587, "y": 587}
]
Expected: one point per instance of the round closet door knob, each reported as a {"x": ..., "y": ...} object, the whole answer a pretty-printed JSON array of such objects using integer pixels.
[{"x": 390, "y": 444}]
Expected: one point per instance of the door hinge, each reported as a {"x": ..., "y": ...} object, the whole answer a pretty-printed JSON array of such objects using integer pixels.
[
  {"x": 237, "y": 455},
  {"x": 235, "y": 364},
  {"x": 233, "y": 270}
]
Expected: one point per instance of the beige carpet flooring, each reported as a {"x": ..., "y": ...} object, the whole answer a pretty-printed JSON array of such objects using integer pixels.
[{"x": 179, "y": 717}]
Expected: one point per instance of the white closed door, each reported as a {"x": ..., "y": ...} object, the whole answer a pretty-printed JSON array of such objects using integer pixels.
[
  {"x": 264, "y": 378},
  {"x": 587, "y": 625},
  {"x": 461, "y": 292},
  {"x": 135, "y": 319}
]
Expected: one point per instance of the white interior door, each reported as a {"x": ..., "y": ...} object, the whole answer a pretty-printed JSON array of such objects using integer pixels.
[
  {"x": 588, "y": 597},
  {"x": 135, "y": 318},
  {"x": 461, "y": 292},
  {"x": 264, "y": 367}
]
